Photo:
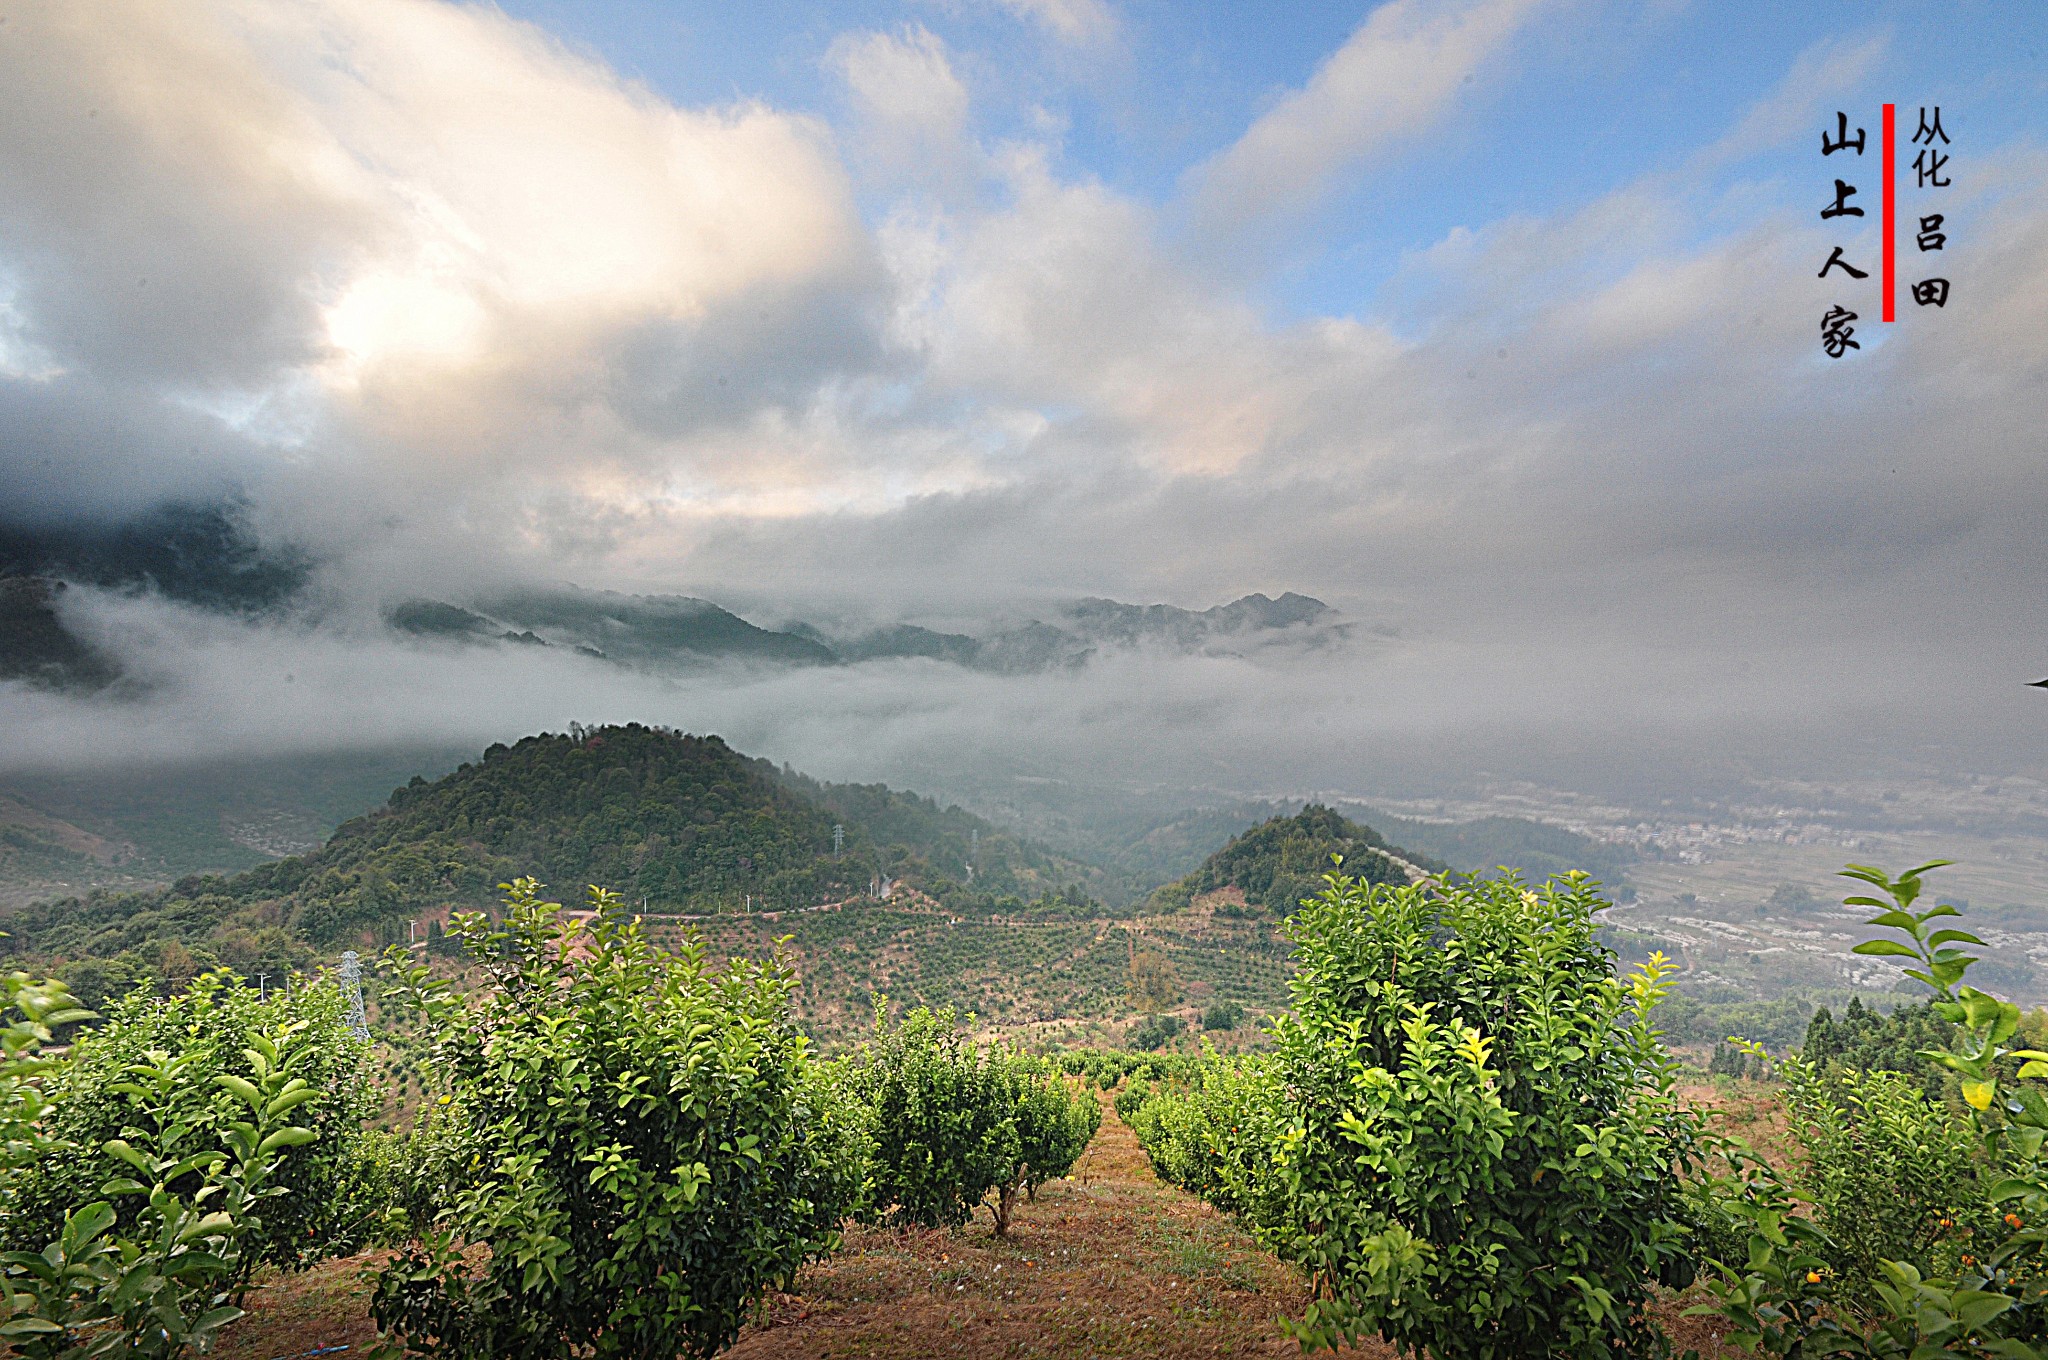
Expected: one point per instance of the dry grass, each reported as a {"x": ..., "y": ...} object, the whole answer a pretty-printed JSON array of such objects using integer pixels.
[
  {"x": 1108, "y": 1263},
  {"x": 1749, "y": 1110},
  {"x": 325, "y": 1307}
]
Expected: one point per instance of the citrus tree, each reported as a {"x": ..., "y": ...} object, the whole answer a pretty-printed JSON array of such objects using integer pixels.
[
  {"x": 188, "y": 1042},
  {"x": 1918, "y": 1228},
  {"x": 1467, "y": 1132},
  {"x": 1054, "y": 1123},
  {"x": 639, "y": 1144},
  {"x": 942, "y": 1114},
  {"x": 957, "y": 1123},
  {"x": 166, "y": 1274}
]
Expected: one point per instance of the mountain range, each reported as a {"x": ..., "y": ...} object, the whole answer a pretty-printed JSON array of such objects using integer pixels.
[
  {"x": 207, "y": 556},
  {"x": 669, "y": 631}
]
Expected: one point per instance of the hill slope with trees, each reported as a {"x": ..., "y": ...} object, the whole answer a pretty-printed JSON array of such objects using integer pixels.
[
  {"x": 679, "y": 823},
  {"x": 1281, "y": 861}
]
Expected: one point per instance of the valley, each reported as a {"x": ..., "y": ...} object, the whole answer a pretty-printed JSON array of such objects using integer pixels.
[
  {"x": 1031, "y": 926},
  {"x": 860, "y": 930}
]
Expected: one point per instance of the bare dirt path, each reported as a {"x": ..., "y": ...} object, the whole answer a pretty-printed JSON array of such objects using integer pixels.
[{"x": 1108, "y": 1263}]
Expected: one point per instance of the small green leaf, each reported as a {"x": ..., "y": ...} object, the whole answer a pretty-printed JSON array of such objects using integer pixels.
[
  {"x": 283, "y": 1138},
  {"x": 290, "y": 1100},
  {"x": 242, "y": 1087}
]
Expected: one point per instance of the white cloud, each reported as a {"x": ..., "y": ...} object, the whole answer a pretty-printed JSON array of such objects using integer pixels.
[
  {"x": 519, "y": 315},
  {"x": 1396, "y": 75},
  {"x": 909, "y": 107},
  {"x": 1828, "y": 70},
  {"x": 484, "y": 251},
  {"x": 1083, "y": 23}
]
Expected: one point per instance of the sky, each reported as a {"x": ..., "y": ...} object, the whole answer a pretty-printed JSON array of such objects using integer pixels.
[{"x": 1493, "y": 323}]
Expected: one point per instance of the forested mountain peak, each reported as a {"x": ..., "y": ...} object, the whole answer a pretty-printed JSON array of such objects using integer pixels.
[{"x": 1282, "y": 860}]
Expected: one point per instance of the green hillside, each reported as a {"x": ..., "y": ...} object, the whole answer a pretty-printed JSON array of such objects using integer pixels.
[
  {"x": 1535, "y": 849},
  {"x": 1063, "y": 966},
  {"x": 1282, "y": 860},
  {"x": 1059, "y": 969},
  {"x": 681, "y": 824},
  {"x": 684, "y": 826}
]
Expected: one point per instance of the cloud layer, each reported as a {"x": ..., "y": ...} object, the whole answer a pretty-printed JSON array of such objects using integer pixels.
[{"x": 454, "y": 304}]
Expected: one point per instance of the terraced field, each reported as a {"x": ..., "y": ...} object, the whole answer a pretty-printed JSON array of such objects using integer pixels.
[{"x": 1053, "y": 977}]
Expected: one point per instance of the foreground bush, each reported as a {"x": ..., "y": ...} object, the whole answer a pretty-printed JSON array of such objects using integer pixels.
[
  {"x": 1213, "y": 1133},
  {"x": 165, "y": 1272},
  {"x": 1913, "y": 1228},
  {"x": 1467, "y": 1133},
  {"x": 1054, "y": 1127},
  {"x": 325, "y": 1205},
  {"x": 1891, "y": 1175},
  {"x": 955, "y": 1121},
  {"x": 642, "y": 1146}
]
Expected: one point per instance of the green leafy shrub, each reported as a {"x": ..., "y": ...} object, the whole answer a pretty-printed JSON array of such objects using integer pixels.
[
  {"x": 1136, "y": 1091},
  {"x": 326, "y": 1205},
  {"x": 1212, "y": 1133},
  {"x": 1892, "y": 1175},
  {"x": 1467, "y": 1133},
  {"x": 1223, "y": 1015},
  {"x": 955, "y": 1121},
  {"x": 941, "y": 1111},
  {"x": 642, "y": 1144},
  {"x": 1107, "y": 1067},
  {"x": 1054, "y": 1125},
  {"x": 1927, "y": 1232},
  {"x": 169, "y": 1274},
  {"x": 1155, "y": 1031}
]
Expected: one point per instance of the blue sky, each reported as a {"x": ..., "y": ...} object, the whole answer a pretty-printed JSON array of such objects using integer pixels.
[{"x": 1590, "y": 96}]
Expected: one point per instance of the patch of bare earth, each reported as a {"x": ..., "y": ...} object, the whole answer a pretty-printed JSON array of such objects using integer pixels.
[
  {"x": 324, "y": 1307},
  {"x": 1107, "y": 1263},
  {"x": 1749, "y": 1110}
]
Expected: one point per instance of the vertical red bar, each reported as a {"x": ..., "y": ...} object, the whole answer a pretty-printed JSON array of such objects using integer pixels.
[{"x": 1890, "y": 197}]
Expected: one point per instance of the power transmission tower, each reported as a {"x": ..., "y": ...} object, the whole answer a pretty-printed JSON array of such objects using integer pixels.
[
  {"x": 351, "y": 978},
  {"x": 838, "y": 839}
]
